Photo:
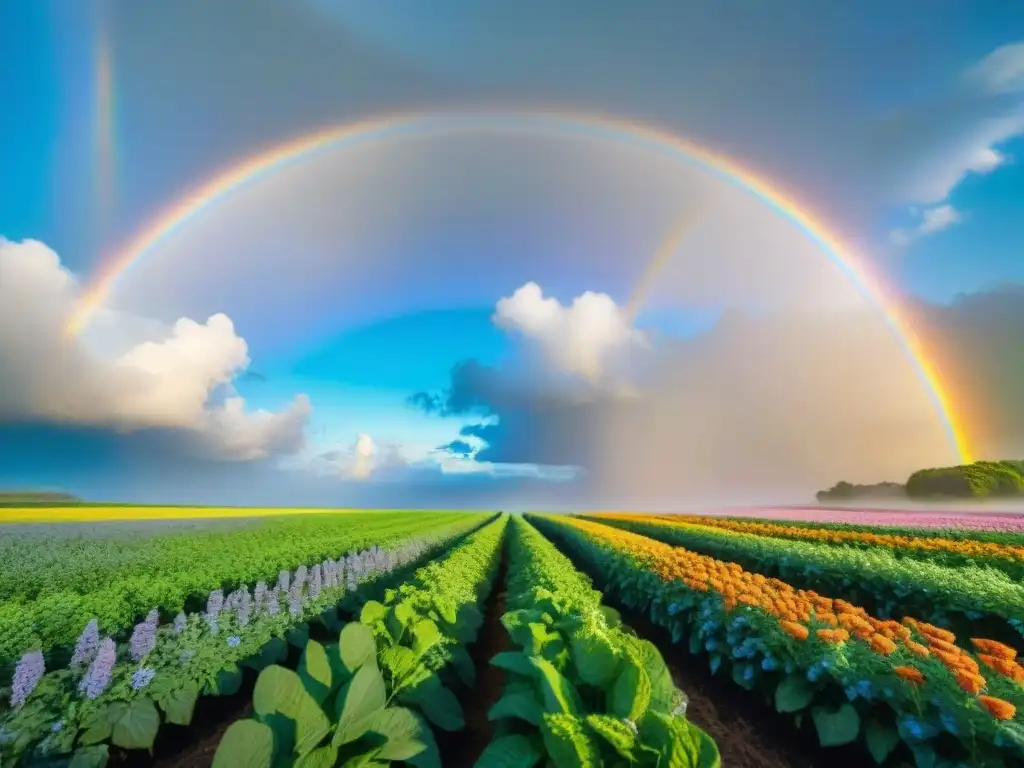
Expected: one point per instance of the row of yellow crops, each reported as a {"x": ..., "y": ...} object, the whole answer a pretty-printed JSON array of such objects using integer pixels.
[
  {"x": 961, "y": 547},
  {"x": 795, "y": 609}
]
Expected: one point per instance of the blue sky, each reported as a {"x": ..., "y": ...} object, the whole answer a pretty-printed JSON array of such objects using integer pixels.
[{"x": 911, "y": 152}]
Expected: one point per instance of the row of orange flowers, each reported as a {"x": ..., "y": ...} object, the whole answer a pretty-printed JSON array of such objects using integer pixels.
[
  {"x": 966, "y": 548},
  {"x": 794, "y": 609}
]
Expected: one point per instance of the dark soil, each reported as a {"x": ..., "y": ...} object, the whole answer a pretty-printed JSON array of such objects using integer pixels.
[{"x": 462, "y": 748}]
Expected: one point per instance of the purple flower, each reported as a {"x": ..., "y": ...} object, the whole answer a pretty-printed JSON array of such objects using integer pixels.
[
  {"x": 273, "y": 607},
  {"x": 259, "y": 596},
  {"x": 234, "y": 641},
  {"x": 180, "y": 622},
  {"x": 98, "y": 677},
  {"x": 142, "y": 677},
  {"x": 282, "y": 580},
  {"x": 214, "y": 605},
  {"x": 88, "y": 642},
  {"x": 27, "y": 674},
  {"x": 186, "y": 656},
  {"x": 300, "y": 575},
  {"x": 243, "y": 609},
  {"x": 315, "y": 582},
  {"x": 143, "y": 638},
  {"x": 58, "y": 726}
]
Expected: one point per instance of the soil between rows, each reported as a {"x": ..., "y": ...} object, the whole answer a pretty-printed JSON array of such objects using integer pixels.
[{"x": 462, "y": 748}]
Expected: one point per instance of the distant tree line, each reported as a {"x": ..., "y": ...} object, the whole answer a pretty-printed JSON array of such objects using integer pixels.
[
  {"x": 980, "y": 480},
  {"x": 28, "y": 498}
]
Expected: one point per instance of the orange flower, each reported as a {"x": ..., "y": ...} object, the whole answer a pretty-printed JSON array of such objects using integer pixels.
[
  {"x": 1010, "y": 669},
  {"x": 799, "y": 631},
  {"x": 934, "y": 632},
  {"x": 1000, "y": 709},
  {"x": 917, "y": 649},
  {"x": 882, "y": 644},
  {"x": 969, "y": 681},
  {"x": 993, "y": 648},
  {"x": 942, "y": 645},
  {"x": 909, "y": 674}
]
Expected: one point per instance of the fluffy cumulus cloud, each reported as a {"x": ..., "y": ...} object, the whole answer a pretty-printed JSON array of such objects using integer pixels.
[
  {"x": 582, "y": 338},
  {"x": 764, "y": 405},
  {"x": 363, "y": 459},
  {"x": 932, "y": 220},
  {"x": 127, "y": 374}
]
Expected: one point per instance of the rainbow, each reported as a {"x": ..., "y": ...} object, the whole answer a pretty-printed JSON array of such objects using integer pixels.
[{"x": 547, "y": 122}]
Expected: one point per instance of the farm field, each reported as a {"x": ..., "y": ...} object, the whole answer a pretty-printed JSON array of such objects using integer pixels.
[{"x": 485, "y": 639}]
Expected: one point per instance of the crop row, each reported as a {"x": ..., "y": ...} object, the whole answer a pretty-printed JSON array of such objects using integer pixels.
[
  {"x": 944, "y": 551},
  {"x": 580, "y": 691},
  {"x": 371, "y": 696},
  {"x": 965, "y": 598},
  {"x": 893, "y": 686},
  {"x": 79, "y": 579},
  {"x": 122, "y": 693}
]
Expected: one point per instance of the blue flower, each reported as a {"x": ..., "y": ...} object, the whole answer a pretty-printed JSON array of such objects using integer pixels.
[
  {"x": 57, "y": 726},
  {"x": 142, "y": 677},
  {"x": 234, "y": 641}
]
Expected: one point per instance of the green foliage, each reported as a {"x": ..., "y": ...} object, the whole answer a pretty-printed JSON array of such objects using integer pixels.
[
  {"x": 366, "y": 699},
  {"x": 580, "y": 690},
  {"x": 850, "y": 692},
  {"x": 981, "y": 480}
]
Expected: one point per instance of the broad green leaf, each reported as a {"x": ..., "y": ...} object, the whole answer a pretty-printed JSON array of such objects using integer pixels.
[
  {"x": 136, "y": 724},
  {"x": 431, "y": 756},
  {"x": 227, "y": 682},
  {"x": 881, "y": 739},
  {"x": 672, "y": 737},
  {"x": 399, "y": 617},
  {"x": 514, "y": 661},
  {"x": 245, "y": 744},
  {"x": 793, "y": 694},
  {"x": 363, "y": 695},
  {"x": 616, "y": 732},
  {"x": 568, "y": 743},
  {"x": 631, "y": 694},
  {"x": 664, "y": 694},
  {"x": 372, "y": 612},
  {"x": 90, "y": 757},
  {"x": 436, "y": 701},
  {"x": 99, "y": 727},
  {"x": 315, "y": 671},
  {"x": 611, "y": 616},
  {"x": 559, "y": 695},
  {"x": 595, "y": 659},
  {"x": 708, "y": 754},
  {"x": 513, "y": 751},
  {"x": 400, "y": 662},
  {"x": 321, "y": 757},
  {"x": 425, "y": 635},
  {"x": 402, "y": 730},
  {"x": 838, "y": 727},
  {"x": 356, "y": 646},
  {"x": 179, "y": 705},
  {"x": 521, "y": 705},
  {"x": 446, "y": 608},
  {"x": 280, "y": 691},
  {"x": 297, "y": 635}
]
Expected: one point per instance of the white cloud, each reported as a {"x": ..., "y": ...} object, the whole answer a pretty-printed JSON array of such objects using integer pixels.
[
  {"x": 1001, "y": 72},
  {"x": 171, "y": 378},
  {"x": 580, "y": 338},
  {"x": 933, "y": 220}
]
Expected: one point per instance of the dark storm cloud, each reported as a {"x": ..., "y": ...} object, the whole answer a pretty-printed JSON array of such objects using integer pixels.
[{"x": 768, "y": 404}]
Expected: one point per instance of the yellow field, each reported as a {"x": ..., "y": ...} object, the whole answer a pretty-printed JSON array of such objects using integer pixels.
[{"x": 84, "y": 514}]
